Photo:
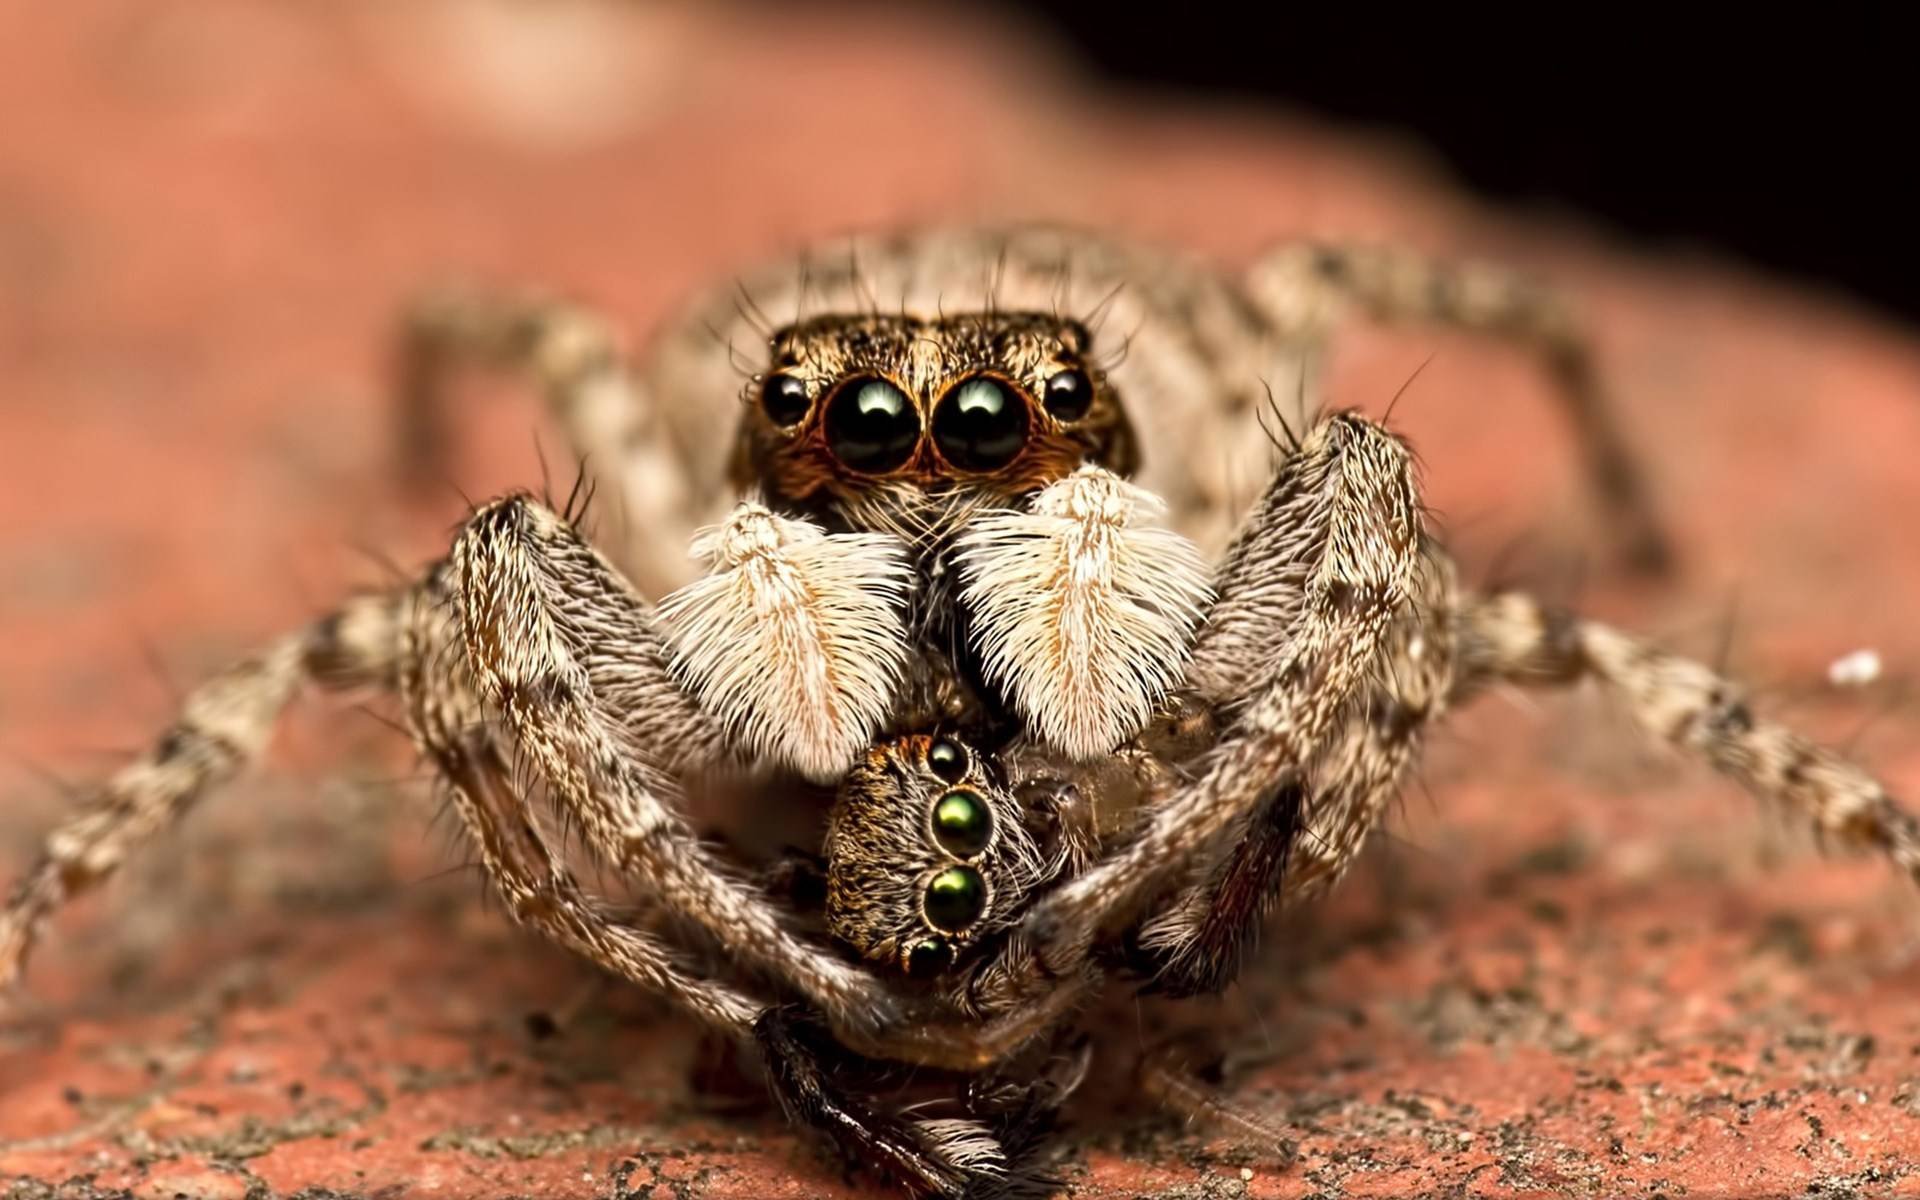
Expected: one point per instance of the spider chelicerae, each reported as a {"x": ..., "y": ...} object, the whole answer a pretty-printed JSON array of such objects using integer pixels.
[{"x": 1084, "y": 714}]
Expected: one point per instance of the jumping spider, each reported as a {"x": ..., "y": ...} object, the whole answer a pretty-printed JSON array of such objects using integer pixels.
[{"x": 1064, "y": 747}]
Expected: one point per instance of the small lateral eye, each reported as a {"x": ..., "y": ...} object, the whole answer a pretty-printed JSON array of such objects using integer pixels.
[
  {"x": 981, "y": 424},
  {"x": 784, "y": 399},
  {"x": 955, "y": 899},
  {"x": 961, "y": 823},
  {"x": 929, "y": 957},
  {"x": 1069, "y": 394},
  {"x": 871, "y": 425},
  {"x": 947, "y": 759}
]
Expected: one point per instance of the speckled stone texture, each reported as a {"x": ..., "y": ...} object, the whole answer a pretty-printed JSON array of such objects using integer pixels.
[{"x": 1576, "y": 968}]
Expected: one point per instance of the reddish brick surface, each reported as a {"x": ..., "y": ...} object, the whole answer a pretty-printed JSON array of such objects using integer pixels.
[{"x": 1577, "y": 969}]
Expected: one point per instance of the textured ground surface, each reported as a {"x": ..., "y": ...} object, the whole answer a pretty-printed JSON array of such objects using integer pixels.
[{"x": 1577, "y": 970}]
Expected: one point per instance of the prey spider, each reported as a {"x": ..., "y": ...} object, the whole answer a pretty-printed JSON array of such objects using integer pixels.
[{"x": 1061, "y": 747}]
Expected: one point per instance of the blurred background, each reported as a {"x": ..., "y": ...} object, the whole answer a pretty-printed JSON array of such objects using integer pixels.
[
  {"x": 1574, "y": 969},
  {"x": 1773, "y": 140}
]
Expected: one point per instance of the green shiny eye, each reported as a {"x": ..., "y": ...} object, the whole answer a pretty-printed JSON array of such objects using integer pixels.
[
  {"x": 929, "y": 957},
  {"x": 955, "y": 899},
  {"x": 961, "y": 823}
]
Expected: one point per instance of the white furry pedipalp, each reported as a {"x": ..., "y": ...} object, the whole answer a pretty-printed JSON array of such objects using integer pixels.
[
  {"x": 797, "y": 639},
  {"x": 1084, "y": 617}
]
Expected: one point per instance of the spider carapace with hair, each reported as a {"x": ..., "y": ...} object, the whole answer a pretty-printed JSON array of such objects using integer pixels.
[{"x": 977, "y": 561}]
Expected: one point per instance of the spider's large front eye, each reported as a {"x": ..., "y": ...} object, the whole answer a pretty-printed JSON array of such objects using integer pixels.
[
  {"x": 871, "y": 425},
  {"x": 980, "y": 425},
  {"x": 784, "y": 399},
  {"x": 955, "y": 899},
  {"x": 961, "y": 823}
]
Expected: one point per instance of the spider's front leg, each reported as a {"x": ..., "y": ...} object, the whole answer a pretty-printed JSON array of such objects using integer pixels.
[
  {"x": 1315, "y": 588},
  {"x": 1306, "y": 834},
  {"x": 578, "y": 667}
]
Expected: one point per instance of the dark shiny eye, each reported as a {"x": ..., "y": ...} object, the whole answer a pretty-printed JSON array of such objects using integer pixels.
[
  {"x": 1069, "y": 395},
  {"x": 980, "y": 425},
  {"x": 961, "y": 823},
  {"x": 947, "y": 759},
  {"x": 929, "y": 957},
  {"x": 955, "y": 899},
  {"x": 784, "y": 399},
  {"x": 872, "y": 426}
]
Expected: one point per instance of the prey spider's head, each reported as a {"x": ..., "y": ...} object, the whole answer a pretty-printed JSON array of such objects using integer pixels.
[
  {"x": 999, "y": 403},
  {"x": 927, "y": 854}
]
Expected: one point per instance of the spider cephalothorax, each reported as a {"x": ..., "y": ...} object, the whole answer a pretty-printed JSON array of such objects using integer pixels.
[{"x": 1189, "y": 744}]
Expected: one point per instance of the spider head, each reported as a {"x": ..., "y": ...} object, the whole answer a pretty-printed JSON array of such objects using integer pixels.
[
  {"x": 992, "y": 404},
  {"x": 927, "y": 854}
]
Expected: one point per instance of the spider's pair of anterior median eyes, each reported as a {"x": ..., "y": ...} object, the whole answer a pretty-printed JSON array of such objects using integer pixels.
[
  {"x": 961, "y": 824},
  {"x": 979, "y": 424}
]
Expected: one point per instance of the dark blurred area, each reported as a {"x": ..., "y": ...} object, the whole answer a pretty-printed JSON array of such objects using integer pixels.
[{"x": 1787, "y": 143}]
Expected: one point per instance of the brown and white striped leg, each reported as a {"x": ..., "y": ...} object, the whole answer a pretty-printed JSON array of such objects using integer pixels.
[
  {"x": 1339, "y": 533},
  {"x": 1195, "y": 946},
  {"x": 1303, "y": 837},
  {"x": 1513, "y": 638},
  {"x": 1309, "y": 288},
  {"x": 574, "y": 357},
  {"x": 1294, "y": 847},
  {"x": 549, "y": 629},
  {"x": 222, "y": 727},
  {"x": 541, "y": 894}
]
